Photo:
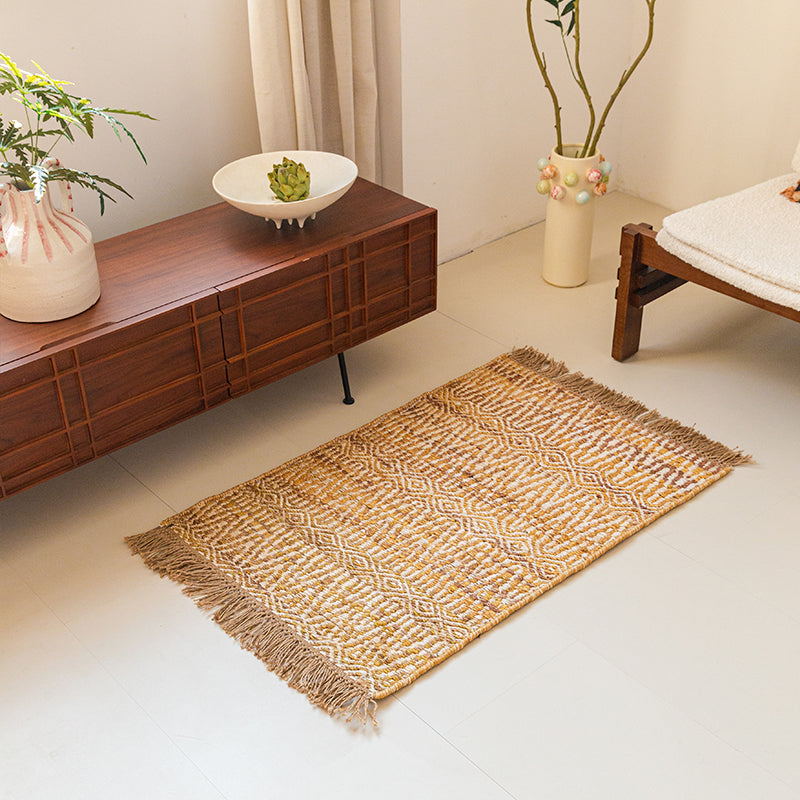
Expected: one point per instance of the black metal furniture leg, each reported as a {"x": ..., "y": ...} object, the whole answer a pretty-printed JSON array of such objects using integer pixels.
[{"x": 348, "y": 398}]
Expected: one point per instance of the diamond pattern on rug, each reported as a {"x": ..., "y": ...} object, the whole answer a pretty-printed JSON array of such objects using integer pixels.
[{"x": 356, "y": 567}]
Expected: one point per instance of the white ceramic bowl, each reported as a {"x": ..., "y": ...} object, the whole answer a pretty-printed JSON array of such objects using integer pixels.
[{"x": 244, "y": 184}]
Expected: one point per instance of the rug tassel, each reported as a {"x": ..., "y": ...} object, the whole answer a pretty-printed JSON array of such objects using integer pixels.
[
  {"x": 692, "y": 439},
  {"x": 540, "y": 363},
  {"x": 255, "y": 628}
]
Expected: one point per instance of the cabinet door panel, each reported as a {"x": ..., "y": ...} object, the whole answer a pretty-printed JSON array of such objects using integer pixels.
[
  {"x": 120, "y": 377},
  {"x": 30, "y": 413},
  {"x": 386, "y": 272},
  {"x": 284, "y": 313},
  {"x": 146, "y": 414}
]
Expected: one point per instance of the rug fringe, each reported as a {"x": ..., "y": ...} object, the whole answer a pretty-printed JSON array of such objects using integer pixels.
[
  {"x": 688, "y": 437},
  {"x": 254, "y": 627}
]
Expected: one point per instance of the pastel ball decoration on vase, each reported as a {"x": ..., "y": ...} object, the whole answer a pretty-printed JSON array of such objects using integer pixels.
[
  {"x": 572, "y": 185},
  {"x": 575, "y": 175}
]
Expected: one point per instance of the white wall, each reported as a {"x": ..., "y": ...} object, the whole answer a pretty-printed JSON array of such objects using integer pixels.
[
  {"x": 186, "y": 62},
  {"x": 476, "y": 115},
  {"x": 717, "y": 106},
  {"x": 713, "y": 108}
]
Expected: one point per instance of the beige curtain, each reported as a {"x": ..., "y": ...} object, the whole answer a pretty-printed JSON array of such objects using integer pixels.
[{"x": 314, "y": 73}]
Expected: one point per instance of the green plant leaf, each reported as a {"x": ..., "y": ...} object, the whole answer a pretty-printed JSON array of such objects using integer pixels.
[
  {"x": 9, "y": 133},
  {"x": 129, "y": 113},
  {"x": 53, "y": 114},
  {"x": 88, "y": 124},
  {"x": 11, "y": 67},
  {"x": 44, "y": 78},
  {"x": 117, "y": 126},
  {"x": 16, "y": 171},
  {"x": 39, "y": 177}
]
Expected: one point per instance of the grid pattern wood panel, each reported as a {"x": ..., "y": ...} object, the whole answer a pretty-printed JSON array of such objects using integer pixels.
[{"x": 200, "y": 309}]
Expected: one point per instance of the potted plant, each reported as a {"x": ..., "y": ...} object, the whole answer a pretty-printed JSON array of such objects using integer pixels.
[
  {"x": 48, "y": 269},
  {"x": 574, "y": 173}
]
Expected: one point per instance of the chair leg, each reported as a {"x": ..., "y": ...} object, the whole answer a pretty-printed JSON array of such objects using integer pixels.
[{"x": 628, "y": 320}]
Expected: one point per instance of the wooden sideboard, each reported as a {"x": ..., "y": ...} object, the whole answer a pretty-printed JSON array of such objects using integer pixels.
[{"x": 199, "y": 309}]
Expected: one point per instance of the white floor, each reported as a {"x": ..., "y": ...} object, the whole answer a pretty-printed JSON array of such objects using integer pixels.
[{"x": 668, "y": 669}]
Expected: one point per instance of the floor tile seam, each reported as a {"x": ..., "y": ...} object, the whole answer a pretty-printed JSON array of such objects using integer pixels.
[
  {"x": 475, "y": 251},
  {"x": 121, "y": 686},
  {"x": 144, "y": 485},
  {"x": 113, "y": 678},
  {"x": 104, "y": 668},
  {"x": 474, "y": 330},
  {"x": 738, "y": 587},
  {"x": 784, "y": 494},
  {"x": 46, "y": 609},
  {"x": 511, "y": 687},
  {"x": 685, "y": 714},
  {"x": 458, "y": 750}
]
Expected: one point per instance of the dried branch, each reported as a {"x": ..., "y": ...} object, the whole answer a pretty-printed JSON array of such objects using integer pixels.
[
  {"x": 540, "y": 61},
  {"x": 569, "y": 13},
  {"x": 651, "y": 9},
  {"x": 581, "y": 81}
]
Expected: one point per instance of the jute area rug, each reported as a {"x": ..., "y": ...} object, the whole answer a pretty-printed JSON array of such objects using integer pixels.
[{"x": 353, "y": 569}]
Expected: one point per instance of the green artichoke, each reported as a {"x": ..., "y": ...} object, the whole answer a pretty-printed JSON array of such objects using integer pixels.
[{"x": 289, "y": 180}]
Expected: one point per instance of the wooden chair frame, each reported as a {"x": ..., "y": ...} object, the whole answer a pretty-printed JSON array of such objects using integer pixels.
[{"x": 647, "y": 272}]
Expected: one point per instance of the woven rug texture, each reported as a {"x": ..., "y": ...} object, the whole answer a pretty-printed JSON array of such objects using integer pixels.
[{"x": 353, "y": 569}]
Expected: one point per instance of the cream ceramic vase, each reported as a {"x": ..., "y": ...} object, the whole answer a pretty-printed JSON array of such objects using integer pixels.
[
  {"x": 48, "y": 269},
  {"x": 573, "y": 189}
]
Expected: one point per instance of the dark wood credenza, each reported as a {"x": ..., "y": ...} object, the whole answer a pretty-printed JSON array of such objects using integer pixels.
[{"x": 202, "y": 308}]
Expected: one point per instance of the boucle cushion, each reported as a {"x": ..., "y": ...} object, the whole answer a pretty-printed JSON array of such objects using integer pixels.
[{"x": 750, "y": 239}]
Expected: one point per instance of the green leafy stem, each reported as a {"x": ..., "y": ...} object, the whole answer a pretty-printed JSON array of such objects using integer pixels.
[
  {"x": 52, "y": 115},
  {"x": 567, "y": 18}
]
